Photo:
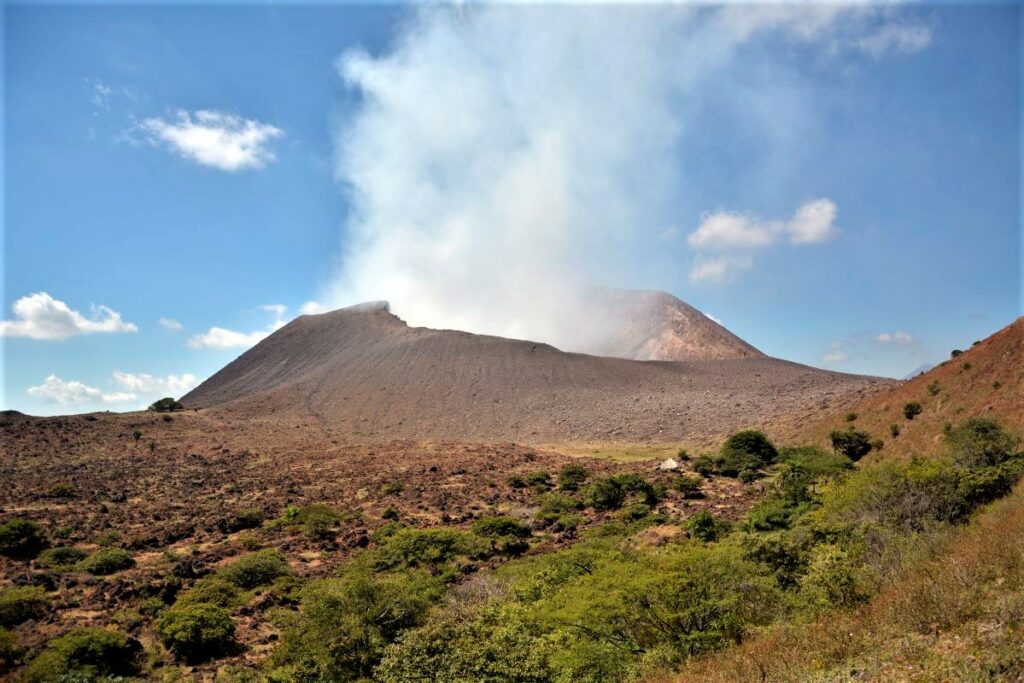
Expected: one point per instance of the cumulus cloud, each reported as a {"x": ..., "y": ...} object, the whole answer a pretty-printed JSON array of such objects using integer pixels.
[
  {"x": 171, "y": 325},
  {"x": 217, "y": 139},
  {"x": 55, "y": 390},
  {"x": 813, "y": 222},
  {"x": 500, "y": 159},
  {"x": 898, "y": 337},
  {"x": 142, "y": 383},
  {"x": 719, "y": 269},
  {"x": 40, "y": 316},
  {"x": 223, "y": 338}
]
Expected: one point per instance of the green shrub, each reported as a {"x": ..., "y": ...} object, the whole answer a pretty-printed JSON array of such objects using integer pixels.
[
  {"x": 980, "y": 442},
  {"x": 507, "y": 535},
  {"x": 571, "y": 476},
  {"x": 210, "y": 590},
  {"x": 541, "y": 480},
  {"x": 318, "y": 520},
  {"x": 851, "y": 417},
  {"x": 934, "y": 388},
  {"x": 705, "y": 465},
  {"x": 61, "y": 491},
  {"x": 500, "y": 527},
  {"x": 852, "y": 443},
  {"x": 688, "y": 486},
  {"x": 196, "y": 632},
  {"x": 251, "y": 518},
  {"x": 106, "y": 561},
  {"x": 752, "y": 443},
  {"x": 390, "y": 512},
  {"x": 912, "y": 410},
  {"x": 63, "y": 557},
  {"x": 391, "y": 488},
  {"x": 345, "y": 623},
  {"x": 85, "y": 654},
  {"x": 635, "y": 512},
  {"x": 257, "y": 569},
  {"x": 611, "y": 492},
  {"x": 431, "y": 548},
  {"x": 557, "y": 512},
  {"x": 894, "y": 430},
  {"x": 166, "y": 405},
  {"x": 10, "y": 652},
  {"x": 516, "y": 481},
  {"x": 21, "y": 539},
  {"x": 814, "y": 461},
  {"x": 707, "y": 527},
  {"x": 21, "y": 603}
]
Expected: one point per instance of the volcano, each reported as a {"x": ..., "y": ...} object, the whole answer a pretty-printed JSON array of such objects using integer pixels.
[{"x": 363, "y": 372}]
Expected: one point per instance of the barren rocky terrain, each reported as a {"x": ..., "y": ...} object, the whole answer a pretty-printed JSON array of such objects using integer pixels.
[{"x": 364, "y": 374}]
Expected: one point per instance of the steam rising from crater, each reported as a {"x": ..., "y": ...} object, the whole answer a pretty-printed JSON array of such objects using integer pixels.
[{"x": 502, "y": 159}]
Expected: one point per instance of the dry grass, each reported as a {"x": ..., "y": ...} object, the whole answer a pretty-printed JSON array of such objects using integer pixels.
[{"x": 956, "y": 613}]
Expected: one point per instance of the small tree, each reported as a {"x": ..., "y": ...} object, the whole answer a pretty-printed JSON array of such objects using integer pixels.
[
  {"x": 852, "y": 443},
  {"x": 912, "y": 410},
  {"x": 980, "y": 442},
  {"x": 166, "y": 405}
]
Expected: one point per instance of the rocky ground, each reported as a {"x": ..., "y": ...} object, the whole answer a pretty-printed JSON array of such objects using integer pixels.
[{"x": 168, "y": 489}]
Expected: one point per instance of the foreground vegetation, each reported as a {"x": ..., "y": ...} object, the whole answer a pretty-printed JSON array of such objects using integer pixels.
[{"x": 834, "y": 564}]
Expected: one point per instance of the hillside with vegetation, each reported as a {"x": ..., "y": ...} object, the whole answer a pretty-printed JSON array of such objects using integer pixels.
[{"x": 984, "y": 379}]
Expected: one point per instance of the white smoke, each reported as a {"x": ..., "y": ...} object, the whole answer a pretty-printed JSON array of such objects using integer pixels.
[{"x": 503, "y": 158}]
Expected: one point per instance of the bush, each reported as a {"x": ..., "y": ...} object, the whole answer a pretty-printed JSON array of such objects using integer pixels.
[
  {"x": 516, "y": 482},
  {"x": 21, "y": 603},
  {"x": 345, "y": 623},
  {"x": 210, "y": 590},
  {"x": 405, "y": 547},
  {"x": 557, "y": 512},
  {"x": 22, "y": 539},
  {"x": 851, "y": 417},
  {"x": 571, "y": 476},
  {"x": 257, "y": 569},
  {"x": 251, "y": 518},
  {"x": 391, "y": 488},
  {"x": 611, "y": 492},
  {"x": 688, "y": 486},
  {"x": 753, "y": 443},
  {"x": 500, "y": 527},
  {"x": 10, "y": 653},
  {"x": 196, "y": 632},
  {"x": 318, "y": 519},
  {"x": 390, "y": 513},
  {"x": 166, "y": 405},
  {"x": 540, "y": 480},
  {"x": 61, "y": 491},
  {"x": 912, "y": 410},
  {"x": 85, "y": 654},
  {"x": 815, "y": 462},
  {"x": 934, "y": 388},
  {"x": 852, "y": 443},
  {"x": 894, "y": 430},
  {"x": 980, "y": 442},
  {"x": 707, "y": 527},
  {"x": 64, "y": 557},
  {"x": 107, "y": 561}
]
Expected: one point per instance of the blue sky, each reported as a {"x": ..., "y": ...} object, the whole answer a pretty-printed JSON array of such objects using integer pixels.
[{"x": 841, "y": 189}]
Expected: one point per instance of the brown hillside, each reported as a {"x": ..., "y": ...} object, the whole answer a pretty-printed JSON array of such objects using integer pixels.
[
  {"x": 986, "y": 380},
  {"x": 364, "y": 373},
  {"x": 650, "y": 325}
]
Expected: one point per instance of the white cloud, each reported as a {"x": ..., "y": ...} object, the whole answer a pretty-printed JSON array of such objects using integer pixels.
[
  {"x": 40, "y": 316},
  {"x": 55, "y": 390},
  {"x": 171, "y": 324},
  {"x": 834, "y": 357},
  {"x": 142, "y": 383},
  {"x": 222, "y": 338},
  {"x": 312, "y": 308},
  {"x": 898, "y": 337},
  {"x": 894, "y": 37},
  {"x": 719, "y": 269},
  {"x": 714, "y": 318},
  {"x": 216, "y": 139},
  {"x": 812, "y": 223}
]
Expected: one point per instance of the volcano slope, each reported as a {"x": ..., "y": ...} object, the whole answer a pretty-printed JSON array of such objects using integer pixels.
[{"x": 362, "y": 373}]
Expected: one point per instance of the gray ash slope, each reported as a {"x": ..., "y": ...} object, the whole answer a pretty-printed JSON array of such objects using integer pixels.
[{"x": 363, "y": 373}]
